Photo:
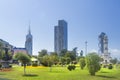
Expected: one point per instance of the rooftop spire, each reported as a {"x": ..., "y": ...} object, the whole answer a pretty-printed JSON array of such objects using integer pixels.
[{"x": 29, "y": 31}]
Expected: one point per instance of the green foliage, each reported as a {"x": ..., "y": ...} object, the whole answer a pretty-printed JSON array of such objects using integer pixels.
[
  {"x": 63, "y": 52},
  {"x": 82, "y": 62},
  {"x": 1, "y": 51},
  {"x": 110, "y": 66},
  {"x": 93, "y": 63},
  {"x": 45, "y": 60},
  {"x": 63, "y": 60},
  {"x": 81, "y": 53},
  {"x": 68, "y": 60},
  {"x": 49, "y": 60},
  {"x": 10, "y": 65},
  {"x": 59, "y": 73},
  {"x": 74, "y": 52},
  {"x": 53, "y": 54},
  {"x": 23, "y": 58},
  {"x": 54, "y": 57},
  {"x": 42, "y": 53},
  {"x": 0, "y": 65},
  {"x": 71, "y": 67},
  {"x": 105, "y": 66},
  {"x": 114, "y": 61},
  {"x": 71, "y": 55},
  {"x": 34, "y": 64},
  {"x": 9, "y": 56}
]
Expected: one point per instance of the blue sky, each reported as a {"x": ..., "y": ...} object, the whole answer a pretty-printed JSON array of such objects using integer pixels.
[{"x": 86, "y": 20}]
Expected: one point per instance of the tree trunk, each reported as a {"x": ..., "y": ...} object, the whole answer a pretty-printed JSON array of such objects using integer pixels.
[
  {"x": 50, "y": 68},
  {"x": 93, "y": 74},
  {"x": 24, "y": 69}
]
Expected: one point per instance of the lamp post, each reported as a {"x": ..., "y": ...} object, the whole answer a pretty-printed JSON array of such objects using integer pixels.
[{"x": 86, "y": 47}]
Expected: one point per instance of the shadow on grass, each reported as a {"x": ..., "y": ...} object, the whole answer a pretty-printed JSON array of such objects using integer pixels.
[
  {"x": 57, "y": 72},
  {"x": 103, "y": 76},
  {"x": 2, "y": 74},
  {"x": 103, "y": 72},
  {"x": 30, "y": 75},
  {"x": 4, "y": 79}
]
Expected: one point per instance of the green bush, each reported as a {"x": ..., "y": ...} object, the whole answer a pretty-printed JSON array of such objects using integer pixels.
[
  {"x": 71, "y": 67},
  {"x": 10, "y": 66},
  {"x": 34, "y": 64},
  {"x": 82, "y": 62},
  {"x": 110, "y": 66},
  {"x": 93, "y": 63},
  {"x": 105, "y": 66},
  {"x": 0, "y": 65}
]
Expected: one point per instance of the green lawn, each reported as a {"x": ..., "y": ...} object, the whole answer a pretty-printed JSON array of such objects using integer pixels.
[{"x": 58, "y": 73}]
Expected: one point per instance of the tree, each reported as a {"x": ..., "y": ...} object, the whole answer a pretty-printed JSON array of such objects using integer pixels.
[
  {"x": 62, "y": 61},
  {"x": 82, "y": 63},
  {"x": 49, "y": 60},
  {"x": 54, "y": 53},
  {"x": 23, "y": 58},
  {"x": 63, "y": 52},
  {"x": 71, "y": 55},
  {"x": 55, "y": 58},
  {"x": 42, "y": 53},
  {"x": 68, "y": 60},
  {"x": 7, "y": 55},
  {"x": 93, "y": 63},
  {"x": 81, "y": 53},
  {"x": 1, "y": 51},
  {"x": 74, "y": 52},
  {"x": 114, "y": 61}
]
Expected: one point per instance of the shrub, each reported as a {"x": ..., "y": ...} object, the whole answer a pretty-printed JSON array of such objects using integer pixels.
[
  {"x": 93, "y": 63},
  {"x": 74, "y": 62},
  {"x": 105, "y": 66},
  {"x": 0, "y": 65},
  {"x": 71, "y": 67},
  {"x": 82, "y": 62},
  {"x": 110, "y": 66},
  {"x": 34, "y": 64},
  {"x": 10, "y": 66}
]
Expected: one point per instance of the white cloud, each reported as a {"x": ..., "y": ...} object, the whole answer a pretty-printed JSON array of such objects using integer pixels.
[
  {"x": 115, "y": 53},
  {"x": 114, "y": 50},
  {"x": 93, "y": 50}
]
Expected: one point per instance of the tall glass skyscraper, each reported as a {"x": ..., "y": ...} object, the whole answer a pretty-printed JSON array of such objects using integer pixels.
[
  {"x": 60, "y": 36},
  {"x": 28, "y": 43}
]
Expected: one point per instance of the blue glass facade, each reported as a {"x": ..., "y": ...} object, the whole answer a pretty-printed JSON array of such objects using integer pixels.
[
  {"x": 60, "y": 36},
  {"x": 28, "y": 43}
]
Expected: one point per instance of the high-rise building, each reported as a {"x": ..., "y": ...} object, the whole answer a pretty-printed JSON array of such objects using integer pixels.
[
  {"x": 28, "y": 43},
  {"x": 103, "y": 48},
  {"x": 60, "y": 36}
]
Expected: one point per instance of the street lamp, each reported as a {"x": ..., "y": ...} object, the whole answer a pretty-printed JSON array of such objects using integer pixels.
[{"x": 86, "y": 47}]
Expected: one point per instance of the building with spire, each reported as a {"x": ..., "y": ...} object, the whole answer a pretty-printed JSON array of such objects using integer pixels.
[{"x": 29, "y": 42}]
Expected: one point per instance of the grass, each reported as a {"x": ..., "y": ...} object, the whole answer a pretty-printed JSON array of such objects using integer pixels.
[{"x": 58, "y": 73}]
